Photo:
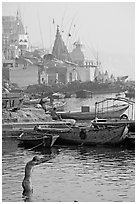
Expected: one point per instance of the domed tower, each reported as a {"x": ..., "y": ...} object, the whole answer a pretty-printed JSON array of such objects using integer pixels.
[{"x": 77, "y": 55}]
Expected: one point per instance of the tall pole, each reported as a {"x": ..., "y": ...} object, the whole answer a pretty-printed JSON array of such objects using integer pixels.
[
  {"x": 40, "y": 31},
  {"x": 70, "y": 30},
  {"x": 50, "y": 33}
]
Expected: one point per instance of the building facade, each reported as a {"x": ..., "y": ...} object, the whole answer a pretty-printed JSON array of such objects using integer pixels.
[
  {"x": 14, "y": 38},
  {"x": 57, "y": 71},
  {"x": 58, "y": 67},
  {"x": 73, "y": 66}
]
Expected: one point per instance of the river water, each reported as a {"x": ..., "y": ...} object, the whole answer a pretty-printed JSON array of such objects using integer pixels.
[{"x": 72, "y": 173}]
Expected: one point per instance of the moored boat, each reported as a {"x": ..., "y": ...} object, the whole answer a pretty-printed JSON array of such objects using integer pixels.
[
  {"x": 107, "y": 108},
  {"x": 37, "y": 139},
  {"x": 35, "y": 101},
  {"x": 59, "y": 105},
  {"x": 89, "y": 135},
  {"x": 31, "y": 101},
  {"x": 114, "y": 122},
  {"x": 124, "y": 119},
  {"x": 112, "y": 112},
  {"x": 58, "y": 95}
]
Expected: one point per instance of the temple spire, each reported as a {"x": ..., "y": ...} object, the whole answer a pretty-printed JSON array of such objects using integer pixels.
[
  {"x": 59, "y": 49},
  {"x": 17, "y": 16},
  {"x": 57, "y": 29}
]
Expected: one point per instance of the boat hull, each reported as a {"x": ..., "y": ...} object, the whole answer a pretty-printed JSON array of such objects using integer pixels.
[
  {"x": 58, "y": 96},
  {"x": 90, "y": 135},
  {"x": 46, "y": 104},
  {"x": 91, "y": 115},
  {"x": 58, "y": 105},
  {"x": 36, "y": 139},
  {"x": 113, "y": 122}
]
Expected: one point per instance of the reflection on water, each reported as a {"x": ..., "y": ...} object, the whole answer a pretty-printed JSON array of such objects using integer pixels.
[{"x": 84, "y": 174}]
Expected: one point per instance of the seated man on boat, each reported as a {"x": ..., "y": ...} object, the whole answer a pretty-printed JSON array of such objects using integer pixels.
[
  {"x": 51, "y": 100},
  {"x": 43, "y": 105},
  {"x": 55, "y": 115}
]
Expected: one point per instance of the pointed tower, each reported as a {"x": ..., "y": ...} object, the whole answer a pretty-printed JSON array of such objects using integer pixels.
[
  {"x": 59, "y": 49},
  {"x": 19, "y": 28}
]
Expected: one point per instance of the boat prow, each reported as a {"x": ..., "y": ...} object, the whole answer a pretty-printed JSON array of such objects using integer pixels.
[{"x": 36, "y": 139}]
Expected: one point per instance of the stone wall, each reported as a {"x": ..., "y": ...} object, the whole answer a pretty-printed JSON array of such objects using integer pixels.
[{"x": 24, "y": 76}]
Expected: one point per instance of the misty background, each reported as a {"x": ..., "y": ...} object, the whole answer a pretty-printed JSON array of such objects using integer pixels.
[{"x": 106, "y": 30}]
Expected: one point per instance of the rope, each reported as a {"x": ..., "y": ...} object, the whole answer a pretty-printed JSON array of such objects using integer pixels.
[{"x": 36, "y": 146}]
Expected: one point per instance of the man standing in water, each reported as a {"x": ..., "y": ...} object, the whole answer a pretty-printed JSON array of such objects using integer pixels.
[{"x": 26, "y": 184}]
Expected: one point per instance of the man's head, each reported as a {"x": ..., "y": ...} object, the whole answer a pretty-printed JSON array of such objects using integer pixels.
[{"x": 36, "y": 158}]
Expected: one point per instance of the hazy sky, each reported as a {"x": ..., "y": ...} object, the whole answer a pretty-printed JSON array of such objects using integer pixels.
[{"x": 107, "y": 28}]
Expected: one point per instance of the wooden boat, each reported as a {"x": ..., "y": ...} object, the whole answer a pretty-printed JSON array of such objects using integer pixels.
[
  {"x": 31, "y": 101},
  {"x": 114, "y": 122},
  {"x": 15, "y": 128},
  {"x": 35, "y": 101},
  {"x": 89, "y": 135},
  {"x": 58, "y": 104},
  {"x": 100, "y": 122},
  {"x": 37, "y": 139},
  {"x": 110, "y": 112},
  {"x": 45, "y": 104},
  {"x": 107, "y": 108},
  {"x": 58, "y": 95},
  {"x": 83, "y": 94}
]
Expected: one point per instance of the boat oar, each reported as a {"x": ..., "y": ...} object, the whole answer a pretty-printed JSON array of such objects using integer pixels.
[{"x": 36, "y": 146}]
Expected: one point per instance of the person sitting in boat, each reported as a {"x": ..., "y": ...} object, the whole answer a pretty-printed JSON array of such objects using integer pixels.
[
  {"x": 42, "y": 103},
  {"x": 55, "y": 115},
  {"x": 51, "y": 100}
]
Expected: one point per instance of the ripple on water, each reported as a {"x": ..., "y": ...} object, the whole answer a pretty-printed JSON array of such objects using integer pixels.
[{"x": 80, "y": 174}]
